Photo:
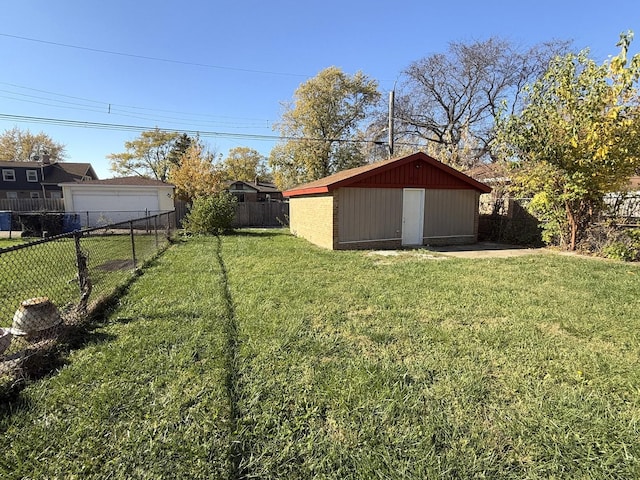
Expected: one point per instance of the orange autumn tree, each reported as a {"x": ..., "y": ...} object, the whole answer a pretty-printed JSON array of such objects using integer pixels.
[{"x": 196, "y": 175}]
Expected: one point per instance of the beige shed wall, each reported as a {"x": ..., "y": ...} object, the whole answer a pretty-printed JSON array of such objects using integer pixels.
[
  {"x": 312, "y": 218},
  {"x": 369, "y": 214},
  {"x": 450, "y": 216},
  {"x": 362, "y": 218}
]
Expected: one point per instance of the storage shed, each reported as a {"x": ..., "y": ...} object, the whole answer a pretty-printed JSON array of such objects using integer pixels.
[{"x": 408, "y": 201}]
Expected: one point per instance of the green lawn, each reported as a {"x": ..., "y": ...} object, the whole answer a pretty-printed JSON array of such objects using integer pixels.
[
  {"x": 10, "y": 242},
  {"x": 265, "y": 357}
]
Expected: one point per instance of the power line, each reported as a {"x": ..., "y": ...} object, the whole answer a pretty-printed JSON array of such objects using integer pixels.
[
  {"x": 202, "y": 133},
  {"x": 113, "y": 108},
  {"x": 155, "y": 59},
  {"x": 131, "y": 128}
]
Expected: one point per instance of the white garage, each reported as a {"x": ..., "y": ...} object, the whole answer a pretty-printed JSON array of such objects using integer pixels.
[{"x": 101, "y": 202}]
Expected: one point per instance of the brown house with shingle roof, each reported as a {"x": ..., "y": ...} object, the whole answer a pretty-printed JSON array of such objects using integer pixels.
[{"x": 255, "y": 191}]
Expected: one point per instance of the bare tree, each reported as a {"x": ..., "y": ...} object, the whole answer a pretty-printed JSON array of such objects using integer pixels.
[{"x": 448, "y": 102}]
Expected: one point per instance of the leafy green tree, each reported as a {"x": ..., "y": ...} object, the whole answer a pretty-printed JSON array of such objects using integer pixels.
[
  {"x": 246, "y": 164},
  {"x": 211, "y": 214},
  {"x": 180, "y": 147},
  {"x": 577, "y": 139},
  {"x": 319, "y": 125},
  {"x": 149, "y": 155},
  {"x": 23, "y": 146}
]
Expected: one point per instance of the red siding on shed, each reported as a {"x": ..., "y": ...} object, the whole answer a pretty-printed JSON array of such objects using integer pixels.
[
  {"x": 417, "y": 173},
  {"x": 418, "y": 170}
]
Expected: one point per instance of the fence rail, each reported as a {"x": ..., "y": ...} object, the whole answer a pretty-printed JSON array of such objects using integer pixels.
[
  {"x": 249, "y": 214},
  {"x": 508, "y": 220},
  {"x": 32, "y": 204},
  {"x": 261, "y": 214},
  {"x": 53, "y": 284},
  {"x": 37, "y": 224}
]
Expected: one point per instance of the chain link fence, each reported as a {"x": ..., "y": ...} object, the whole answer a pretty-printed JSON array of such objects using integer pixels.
[{"x": 51, "y": 286}]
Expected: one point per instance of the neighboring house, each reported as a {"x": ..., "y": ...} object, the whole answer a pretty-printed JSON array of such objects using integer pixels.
[
  {"x": 409, "y": 201},
  {"x": 625, "y": 204},
  {"x": 254, "y": 191},
  {"x": 492, "y": 174},
  {"x": 498, "y": 178},
  {"x": 33, "y": 180},
  {"x": 100, "y": 202}
]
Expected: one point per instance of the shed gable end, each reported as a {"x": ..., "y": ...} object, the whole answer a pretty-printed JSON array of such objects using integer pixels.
[{"x": 417, "y": 173}]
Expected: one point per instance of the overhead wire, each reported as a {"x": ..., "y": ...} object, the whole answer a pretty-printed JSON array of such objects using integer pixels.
[
  {"x": 183, "y": 118},
  {"x": 126, "y": 127},
  {"x": 156, "y": 59},
  {"x": 200, "y": 133},
  {"x": 124, "y": 110}
]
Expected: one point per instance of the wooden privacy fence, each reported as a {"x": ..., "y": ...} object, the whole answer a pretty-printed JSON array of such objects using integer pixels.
[
  {"x": 261, "y": 214},
  {"x": 32, "y": 204},
  {"x": 250, "y": 214}
]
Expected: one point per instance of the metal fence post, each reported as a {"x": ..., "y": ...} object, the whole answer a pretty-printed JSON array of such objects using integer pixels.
[
  {"x": 84, "y": 281},
  {"x": 155, "y": 228},
  {"x": 133, "y": 245}
]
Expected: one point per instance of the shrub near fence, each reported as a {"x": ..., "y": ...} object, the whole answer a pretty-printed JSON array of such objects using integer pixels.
[
  {"x": 506, "y": 220},
  {"x": 249, "y": 214},
  {"x": 75, "y": 273}
]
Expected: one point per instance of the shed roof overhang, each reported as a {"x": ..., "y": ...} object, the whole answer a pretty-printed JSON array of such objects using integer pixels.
[{"x": 380, "y": 174}]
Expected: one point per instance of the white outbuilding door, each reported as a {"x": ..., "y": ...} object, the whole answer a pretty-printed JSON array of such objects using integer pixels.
[
  {"x": 116, "y": 201},
  {"x": 412, "y": 216}
]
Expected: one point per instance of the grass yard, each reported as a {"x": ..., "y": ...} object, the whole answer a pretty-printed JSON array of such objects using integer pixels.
[
  {"x": 262, "y": 356},
  {"x": 147, "y": 398},
  {"x": 10, "y": 242}
]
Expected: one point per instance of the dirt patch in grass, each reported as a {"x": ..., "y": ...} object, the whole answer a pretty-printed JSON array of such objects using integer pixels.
[
  {"x": 388, "y": 257},
  {"x": 486, "y": 250},
  {"x": 115, "y": 265}
]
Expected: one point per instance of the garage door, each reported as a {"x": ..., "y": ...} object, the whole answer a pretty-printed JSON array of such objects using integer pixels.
[
  {"x": 98, "y": 209},
  {"x": 115, "y": 202}
]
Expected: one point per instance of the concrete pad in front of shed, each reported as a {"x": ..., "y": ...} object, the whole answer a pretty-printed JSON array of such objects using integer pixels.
[{"x": 486, "y": 250}]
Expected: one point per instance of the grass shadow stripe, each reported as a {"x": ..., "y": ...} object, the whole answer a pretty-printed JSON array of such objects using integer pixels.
[{"x": 232, "y": 364}]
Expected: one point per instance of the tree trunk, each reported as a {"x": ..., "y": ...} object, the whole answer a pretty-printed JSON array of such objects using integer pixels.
[{"x": 573, "y": 224}]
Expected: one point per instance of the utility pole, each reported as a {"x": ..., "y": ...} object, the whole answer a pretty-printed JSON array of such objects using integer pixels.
[{"x": 391, "y": 101}]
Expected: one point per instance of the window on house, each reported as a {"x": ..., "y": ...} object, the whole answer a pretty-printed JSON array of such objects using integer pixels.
[
  {"x": 8, "y": 175},
  {"x": 35, "y": 194},
  {"x": 32, "y": 175},
  {"x": 12, "y": 195},
  {"x": 56, "y": 194}
]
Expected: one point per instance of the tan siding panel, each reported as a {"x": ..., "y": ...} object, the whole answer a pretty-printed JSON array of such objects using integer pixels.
[
  {"x": 449, "y": 212},
  {"x": 367, "y": 214},
  {"x": 311, "y": 217}
]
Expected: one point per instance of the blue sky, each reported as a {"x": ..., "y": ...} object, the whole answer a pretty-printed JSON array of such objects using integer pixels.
[{"x": 227, "y": 66}]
